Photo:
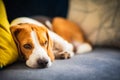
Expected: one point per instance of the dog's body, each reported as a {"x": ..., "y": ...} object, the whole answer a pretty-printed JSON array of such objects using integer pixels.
[{"x": 39, "y": 45}]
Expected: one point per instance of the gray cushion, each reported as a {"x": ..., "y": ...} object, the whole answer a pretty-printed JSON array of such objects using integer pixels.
[{"x": 100, "y": 64}]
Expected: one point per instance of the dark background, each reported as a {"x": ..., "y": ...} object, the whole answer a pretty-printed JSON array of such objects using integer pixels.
[{"x": 28, "y": 8}]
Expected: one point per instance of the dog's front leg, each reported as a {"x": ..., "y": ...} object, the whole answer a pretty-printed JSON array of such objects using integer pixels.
[{"x": 61, "y": 48}]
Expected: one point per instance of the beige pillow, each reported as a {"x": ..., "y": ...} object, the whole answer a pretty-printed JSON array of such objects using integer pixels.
[{"x": 99, "y": 19}]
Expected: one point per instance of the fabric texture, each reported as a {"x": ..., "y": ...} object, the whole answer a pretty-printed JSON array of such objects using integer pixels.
[
  {"x": 99, "y": 19},
  {"x": 100, "y": 64},
  {"x": 8, "y": 50}
]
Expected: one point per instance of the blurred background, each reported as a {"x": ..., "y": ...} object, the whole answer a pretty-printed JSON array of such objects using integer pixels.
[{"x": 50, "y": 8}]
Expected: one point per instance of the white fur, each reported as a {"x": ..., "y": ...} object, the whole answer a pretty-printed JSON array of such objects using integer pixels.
[
  {"x": 25, "y": 20},
  {"x": 83, "y": 48},
  {"x": 48, "y": 23},
  {"x": 38, "y": 53}
]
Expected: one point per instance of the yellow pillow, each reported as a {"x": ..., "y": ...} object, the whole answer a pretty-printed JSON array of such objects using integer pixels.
[{"x": 8, "y": 49}]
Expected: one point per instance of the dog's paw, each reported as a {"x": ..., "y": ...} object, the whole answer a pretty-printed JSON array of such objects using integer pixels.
[{"x": 65, "y": 55}]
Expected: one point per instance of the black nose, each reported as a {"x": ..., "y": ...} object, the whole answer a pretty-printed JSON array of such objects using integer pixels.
[{"x": 42, "y": 63}]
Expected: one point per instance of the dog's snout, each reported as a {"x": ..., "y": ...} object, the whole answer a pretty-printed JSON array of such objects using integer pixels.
[{"x": 42, "y": 63}]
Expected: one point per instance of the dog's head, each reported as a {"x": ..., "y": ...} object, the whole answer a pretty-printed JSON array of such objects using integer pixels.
[{"x": 34, "y": 43}]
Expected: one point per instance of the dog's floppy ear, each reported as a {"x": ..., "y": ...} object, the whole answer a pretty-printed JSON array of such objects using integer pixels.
[
  {"x": 50, "y": 46},
  {"x": 15, "y": 30}
]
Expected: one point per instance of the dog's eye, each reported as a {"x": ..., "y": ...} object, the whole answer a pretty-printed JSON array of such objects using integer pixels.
[{"x": 27, "y": 46}]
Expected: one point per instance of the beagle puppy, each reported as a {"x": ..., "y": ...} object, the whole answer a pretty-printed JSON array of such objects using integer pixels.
[{"x": 37, "y": 44}]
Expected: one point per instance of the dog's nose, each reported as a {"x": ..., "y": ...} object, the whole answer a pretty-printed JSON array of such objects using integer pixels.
[{"x": 42, "y": 63}]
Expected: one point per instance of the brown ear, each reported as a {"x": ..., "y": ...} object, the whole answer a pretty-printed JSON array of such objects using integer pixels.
[
  {"x": 50, "y": 46},
  {"x": 15, "y": 30}
]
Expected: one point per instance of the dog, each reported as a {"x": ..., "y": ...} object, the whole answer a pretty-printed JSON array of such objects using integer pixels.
[{"x": 39, "y": 45}]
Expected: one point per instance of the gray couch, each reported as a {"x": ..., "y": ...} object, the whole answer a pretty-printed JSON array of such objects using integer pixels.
[{"x": 100, "y": 64}]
